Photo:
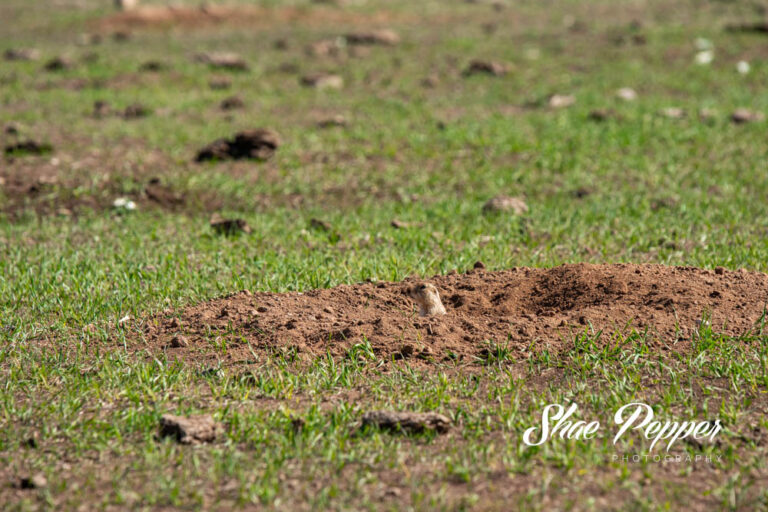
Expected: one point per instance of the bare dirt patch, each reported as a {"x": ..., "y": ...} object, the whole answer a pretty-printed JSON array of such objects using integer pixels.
[
  {"x": 522, "y": 309},
  {"x": 212, "y": 15},
  {"x": 72, "y": 180}
]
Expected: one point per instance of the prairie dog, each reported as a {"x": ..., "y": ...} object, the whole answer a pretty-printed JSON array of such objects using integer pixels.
[
  {"x": 428, "y": 299},
  {"x": 126, "y": 5}
]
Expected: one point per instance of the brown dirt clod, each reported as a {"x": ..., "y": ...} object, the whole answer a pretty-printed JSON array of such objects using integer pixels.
[
  {"x": 603, "y": 114},
  {"x": 22, "y": 54},
  {"x": 374, "y": 37},
  {"x": 742, "y": 116},
  {"x": 259, "y": 144},
  {"x": 232, "y": 103},
  {"x": 223, "y": 60},
  {"x": 28, "y": 147},
  {"x": 179, "y": 341},
  {"x": 332, "y": 121},
  {"x": 229, "y": 227},
  {"x": 190, "y": 429},
  {"x": 59, "y": 64},
  {"x": 482, "y": 67},
  {"x": 408, "y": 422},
  {"x": 37, "y": 481},
  {"x": 323, "y": 81}
]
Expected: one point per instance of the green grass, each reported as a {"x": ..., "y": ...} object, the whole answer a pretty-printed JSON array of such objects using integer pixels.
[{"x": 659, "y": 190}]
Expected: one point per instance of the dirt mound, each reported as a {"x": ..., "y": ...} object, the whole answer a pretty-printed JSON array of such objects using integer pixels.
[{"x": 524, "y": 309}]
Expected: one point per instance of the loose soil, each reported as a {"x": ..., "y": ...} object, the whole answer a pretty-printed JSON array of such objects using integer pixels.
[{"x": 525, "y": 309}]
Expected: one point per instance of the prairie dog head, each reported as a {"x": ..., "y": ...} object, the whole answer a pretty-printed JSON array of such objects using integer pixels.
[{"x": 428, "y": 299}]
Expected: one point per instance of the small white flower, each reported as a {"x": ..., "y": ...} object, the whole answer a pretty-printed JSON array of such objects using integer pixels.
[
  {"x": 703, "y": 44},
  {"x": 704, "y": 58},
  {"x": 743, "y": 67},
  {"x": 123, "y": 203},
  {"x": 626, "y": 94}
]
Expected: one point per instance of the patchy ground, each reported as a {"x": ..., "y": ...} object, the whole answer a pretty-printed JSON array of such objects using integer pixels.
[
  {"x": 160, "y": 16},
  {"x": 545, "y": 139},
  {"x": 520, "y": 311}
]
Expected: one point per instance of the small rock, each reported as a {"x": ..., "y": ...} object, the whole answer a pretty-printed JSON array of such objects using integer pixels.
[
  {"x": 223, "y": 60},
  {"x": 742, "y": 116},
  {"x": 505, "y": 204},
  {"x": 325, "y": 48},
  {"x": 382, "y": 37},
  {"x": 673, "y": 112},
  {"x": 190, "y": 429},
  {"x": 408, "y": 422},
  {"x": 561, "y": 100},
  {"x": 720, "y": 270},
  {"x": 486, "y": 67},
  {"x": 323, "y": 81},
  {"x": 179, "y": 341},
  {"x": 232, "y": 103},
  {"x": 626, "y": 94},
  {"x": 22, "y": 54},
  {"x": 230, "y": 227},
  {"x": 398, "y": 224}
]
